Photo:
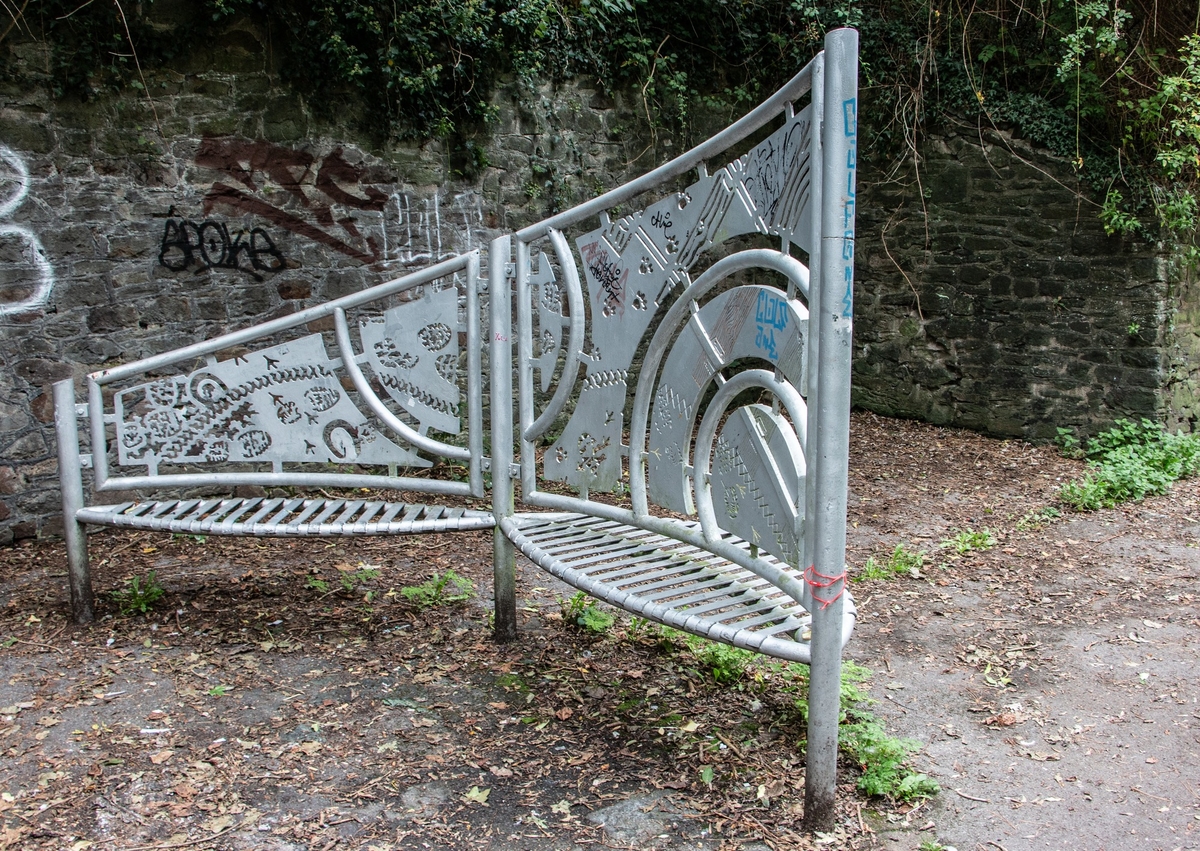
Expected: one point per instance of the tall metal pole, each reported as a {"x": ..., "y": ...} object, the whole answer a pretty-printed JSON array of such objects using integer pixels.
[
  {"x": 504, "y": 568},
  {"x": 827, "y": 574},
  {"x": 70, "y": 477}
]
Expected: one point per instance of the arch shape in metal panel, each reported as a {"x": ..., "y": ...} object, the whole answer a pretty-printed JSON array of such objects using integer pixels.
[{"x": 672, "y": 324}]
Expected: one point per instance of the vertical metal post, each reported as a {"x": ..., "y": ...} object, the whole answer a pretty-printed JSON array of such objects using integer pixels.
[
  {"x": 504, "y": 567},
  {"x": 826, "y": 575},
  {"x": 70, "y": 477}
]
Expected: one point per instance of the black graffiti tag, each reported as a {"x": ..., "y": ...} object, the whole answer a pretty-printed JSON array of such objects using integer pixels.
[{"x": 209, "y": 245}]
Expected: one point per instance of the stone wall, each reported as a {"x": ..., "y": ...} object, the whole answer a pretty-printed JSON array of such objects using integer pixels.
[
  {"x": 988, "y": 296},
  {"x": 130, "y": 226}
]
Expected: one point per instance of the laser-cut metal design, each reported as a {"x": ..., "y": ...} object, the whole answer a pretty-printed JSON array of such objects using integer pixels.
[{"x": 274, "y": 405}]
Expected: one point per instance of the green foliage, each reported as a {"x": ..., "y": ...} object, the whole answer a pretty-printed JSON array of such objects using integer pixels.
[
  {"x": 1035, "y": 520},
  {"x": 583, "y": 612},
  {"x": 724, "y": 663},
  {"x": 1114, "y": 87},
  {"x": 439, "y": 590},
  {"x": 883, "y": 762},
  {"x": 1131, "y": 461},
  {"x": 968, "y": 541},
  {"x": 902, "y": 562},
  {"x": 317, "y": 584},
  {"x": 139, "y": 595},
  {"x": 882, "y": 758}
]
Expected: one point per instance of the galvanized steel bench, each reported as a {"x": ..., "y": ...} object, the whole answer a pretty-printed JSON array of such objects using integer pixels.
[
  {"x": 688, "y": 378},
  {"x": 653, "y": 361}
]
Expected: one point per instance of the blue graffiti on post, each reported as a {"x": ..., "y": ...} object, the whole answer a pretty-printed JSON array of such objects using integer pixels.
[{"x": 850, "y": 115}]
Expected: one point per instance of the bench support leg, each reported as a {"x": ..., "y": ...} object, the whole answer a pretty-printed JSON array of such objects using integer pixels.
[
  {"x": 504, "y": 569},
  {"x": 833, "y": 299},
  {"x": 71, "y": 479}
]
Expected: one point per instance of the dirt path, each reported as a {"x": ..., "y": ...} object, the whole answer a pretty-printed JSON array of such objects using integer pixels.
[{"x": 280, "y": 697}]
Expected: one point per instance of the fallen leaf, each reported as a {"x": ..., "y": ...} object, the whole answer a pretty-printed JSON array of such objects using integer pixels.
[
  {"x": 219, "y": 823},
  {"x": 477, "y": 796},
  {"x": 563, "y": 807},
  {"x": 161, "y": 757}
]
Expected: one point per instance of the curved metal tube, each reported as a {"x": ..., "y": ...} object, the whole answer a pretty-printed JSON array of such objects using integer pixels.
[
  {"x": 342, "y": 332},
  {"x": 570, "y": 372},
  {"x": 707, "y": 434}
]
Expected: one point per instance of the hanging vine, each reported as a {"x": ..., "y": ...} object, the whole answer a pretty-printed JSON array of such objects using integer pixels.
[{"x": 1111, "y": 85}]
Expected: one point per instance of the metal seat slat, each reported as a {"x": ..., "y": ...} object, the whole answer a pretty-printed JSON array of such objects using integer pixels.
[
  {"x": 697, "y": 587},
  {"x": 348, "y": 512},
  {"x": 263, "y": 510},
  {"x": 216, "y": 515},
  {"x": 160, "y": 508},
  {"x": 391, "y": 510},
  {"x": 311, "y": 507},
  {"x": 183, "y": 509},
  {"x": 331, "y": 505},
  {"x": 289, "y": 507},
  {"x": 231, "y": 517},
  {"x": 412, "y": 511}
]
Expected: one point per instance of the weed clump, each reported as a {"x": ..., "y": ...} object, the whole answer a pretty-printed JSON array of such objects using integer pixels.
[
  {"x": 439, "y": 590},
  {"x": 883, "y": 759},
  {"x": 1129, "y": 462},
  {"x": 139, "y": 595},
  {"x": 970, "y": 541},
  {"x": 902, "y": 562},
  {"x": 584, "y": 613}
]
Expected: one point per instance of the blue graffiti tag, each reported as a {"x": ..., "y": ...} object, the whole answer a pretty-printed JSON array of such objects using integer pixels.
[
  {"x": 850, "y": 115},
  {"x": 771, "y": 314}
]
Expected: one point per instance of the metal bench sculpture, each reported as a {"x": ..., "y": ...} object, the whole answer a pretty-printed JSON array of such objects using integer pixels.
[{"x": 722, "y": 394}]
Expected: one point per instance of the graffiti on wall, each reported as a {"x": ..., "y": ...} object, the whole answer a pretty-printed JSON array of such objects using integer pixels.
[
  {"x": 22, "y": 257},
  {"x": 210, "y": 245},
  {"x": 335, "y": 203}
]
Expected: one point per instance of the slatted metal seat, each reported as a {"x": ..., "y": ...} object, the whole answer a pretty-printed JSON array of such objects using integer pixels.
[
  {"x": 668, "y": 581},
  {"x": 286, "y": 517}
]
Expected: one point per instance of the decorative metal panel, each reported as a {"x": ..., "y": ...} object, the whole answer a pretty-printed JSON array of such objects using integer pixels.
[
  {"x": 551, "y": 319},
  {"x": 633, "y": 264},
  {"x": 280, "y": 404},
  {"x": 758, "y": 480},
  {"x": 750, "y": 321},
  {"x": 414, "y": 352}
]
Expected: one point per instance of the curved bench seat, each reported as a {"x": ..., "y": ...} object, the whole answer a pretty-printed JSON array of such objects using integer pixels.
[
  {"x": 668, "y": 581},
  {"x": 281, "y": 517}
]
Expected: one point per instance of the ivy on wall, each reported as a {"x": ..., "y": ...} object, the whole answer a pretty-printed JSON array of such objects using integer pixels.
[{"x": 1113, "y": 85}]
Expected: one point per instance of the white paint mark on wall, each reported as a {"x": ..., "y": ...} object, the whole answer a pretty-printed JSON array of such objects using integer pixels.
[
  {"x": 22, "y": 258},
  {"x": 414, "y": 230}
]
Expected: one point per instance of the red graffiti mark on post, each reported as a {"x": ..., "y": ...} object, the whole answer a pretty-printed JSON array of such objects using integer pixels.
[{"x": 317, "y": 187}]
